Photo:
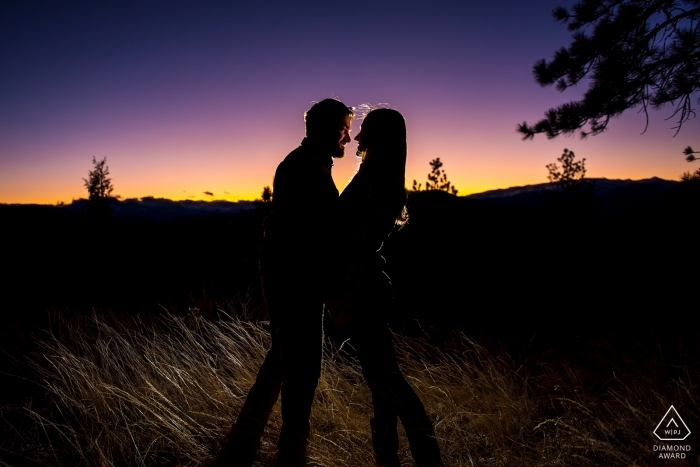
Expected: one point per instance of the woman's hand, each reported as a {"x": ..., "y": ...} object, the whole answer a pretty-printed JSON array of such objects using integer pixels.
[{"x": 340, "y": 309}]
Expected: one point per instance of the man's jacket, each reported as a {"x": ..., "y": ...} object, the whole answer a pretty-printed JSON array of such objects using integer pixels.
[{"x": 298, "y": 229}]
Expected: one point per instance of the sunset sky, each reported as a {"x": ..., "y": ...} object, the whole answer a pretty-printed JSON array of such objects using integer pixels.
[{"x": 187, "y": 97}]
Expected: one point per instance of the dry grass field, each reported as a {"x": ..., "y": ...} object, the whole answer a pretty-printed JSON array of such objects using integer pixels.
[{"x": 167, "y": 393}]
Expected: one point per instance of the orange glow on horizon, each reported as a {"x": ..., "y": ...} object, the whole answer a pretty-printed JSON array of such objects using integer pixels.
[
  {"x": 474, "y": 181},
  {"x": 235, "y": 161}
]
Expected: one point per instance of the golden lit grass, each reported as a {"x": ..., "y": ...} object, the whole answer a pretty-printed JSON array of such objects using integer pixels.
[{"x": 167, "y": 395}]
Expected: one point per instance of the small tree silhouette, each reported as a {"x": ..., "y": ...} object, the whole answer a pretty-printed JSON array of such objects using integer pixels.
[
  {"x": 99, "y": 187},
  {"x": 265, "y": 203},
  {"x": 267, "y": 194},
  {"x": 570, "y": 174},
  {"x": 437, "y": 179},
  {"x": 691, "y": 177},
  {"x": 569, "y": 190}
]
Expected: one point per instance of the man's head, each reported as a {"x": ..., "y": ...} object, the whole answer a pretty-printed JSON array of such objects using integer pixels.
[{"x": 328, "y": 126}]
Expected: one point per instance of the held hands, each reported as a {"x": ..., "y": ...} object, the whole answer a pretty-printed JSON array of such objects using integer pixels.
[{"x": 339, "y": 308}]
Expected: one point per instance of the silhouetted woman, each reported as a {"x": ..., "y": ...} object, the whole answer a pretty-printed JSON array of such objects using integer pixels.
[{"x": 368, "y": 209}]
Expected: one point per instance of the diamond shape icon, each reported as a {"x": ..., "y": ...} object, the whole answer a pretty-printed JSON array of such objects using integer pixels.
[{"x": 672, "y": 427}]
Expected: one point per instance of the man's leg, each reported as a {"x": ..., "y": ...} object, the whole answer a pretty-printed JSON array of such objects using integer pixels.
[
  {"x": 301, "y": 344},
  {"x": 297, "y": 313},
  {"x": 243, "y": 440},
  {"x": 246, "y": 433}
]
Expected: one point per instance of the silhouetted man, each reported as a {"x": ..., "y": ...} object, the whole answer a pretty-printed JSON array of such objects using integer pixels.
[{"x": 296, "y": 238}]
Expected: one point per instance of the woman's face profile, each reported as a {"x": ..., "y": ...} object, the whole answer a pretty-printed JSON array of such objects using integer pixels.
[{"x": 361, "y": 146}]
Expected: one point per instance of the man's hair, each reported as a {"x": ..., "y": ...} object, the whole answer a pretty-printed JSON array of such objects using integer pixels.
[{"x": 322, "y": 115}]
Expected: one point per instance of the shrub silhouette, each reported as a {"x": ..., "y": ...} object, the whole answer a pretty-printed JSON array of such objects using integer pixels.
[{"x": 690, "y": 181}]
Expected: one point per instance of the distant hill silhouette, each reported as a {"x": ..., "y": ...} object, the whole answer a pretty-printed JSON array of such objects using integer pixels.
[
  {"x": 161, "y": 209},
  {"x": 613, "y": 195}
]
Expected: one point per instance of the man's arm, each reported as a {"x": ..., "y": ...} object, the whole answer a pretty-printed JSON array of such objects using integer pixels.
[{"x": 303, "y": 198}]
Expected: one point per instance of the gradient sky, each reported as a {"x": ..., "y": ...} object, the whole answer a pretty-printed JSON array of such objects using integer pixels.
[{"x": 187, "y": 97}]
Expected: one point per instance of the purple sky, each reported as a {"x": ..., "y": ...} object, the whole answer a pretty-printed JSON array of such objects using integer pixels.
[{"x": 189, "y": 97}]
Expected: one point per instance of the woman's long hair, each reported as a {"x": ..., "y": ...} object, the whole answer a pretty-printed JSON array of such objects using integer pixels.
[{"x": 384, "y": 136}]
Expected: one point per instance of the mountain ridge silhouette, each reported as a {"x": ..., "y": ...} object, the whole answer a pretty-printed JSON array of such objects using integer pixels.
[{"x": 614, "y": 195}]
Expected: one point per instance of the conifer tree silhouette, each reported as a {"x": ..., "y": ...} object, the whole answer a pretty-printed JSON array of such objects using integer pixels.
[
  {"x": 570, "y": 192},
  {"x": 437, "y": 179},
  {"x": 264, "y": 203},
  {"x": 633, "y": 53},
  {"x": 691, "y": 177},
  {"x": 100, "y": 188},
  {"x": 267, "y": 194},
  {"x": 690, "y": 154},
  {"x": 570, "y": 174}
]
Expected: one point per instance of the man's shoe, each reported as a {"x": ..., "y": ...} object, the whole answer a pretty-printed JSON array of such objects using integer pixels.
[
  {"x": 385, "y": 442},
  {"x": 231, "y": 455},
  {"x": 387, "y": 460}
]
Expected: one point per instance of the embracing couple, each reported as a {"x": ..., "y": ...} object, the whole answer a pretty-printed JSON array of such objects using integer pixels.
[{"x": 322, "y": 248}]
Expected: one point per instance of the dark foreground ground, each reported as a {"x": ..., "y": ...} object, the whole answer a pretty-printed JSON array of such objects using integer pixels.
[
  {"x": 486, "y": 267},
  {"x": 530, "y": 283}
]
